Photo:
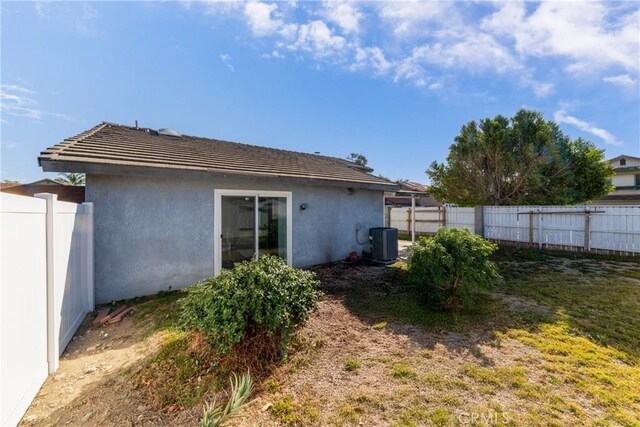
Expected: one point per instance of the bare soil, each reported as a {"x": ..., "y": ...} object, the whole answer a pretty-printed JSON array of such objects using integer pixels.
[{"x": 406, "y": 374}]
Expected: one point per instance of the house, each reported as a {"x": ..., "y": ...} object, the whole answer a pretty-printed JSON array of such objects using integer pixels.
[
  {"x": 66, "y": 193},
  {"x": 626, "y": 181},
  {"x": 402, "y": 196},
  {"x": 171, "y": 209}
]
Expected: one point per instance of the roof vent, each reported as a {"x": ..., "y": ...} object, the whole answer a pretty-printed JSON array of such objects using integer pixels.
[{"x": 169, "y": 132}]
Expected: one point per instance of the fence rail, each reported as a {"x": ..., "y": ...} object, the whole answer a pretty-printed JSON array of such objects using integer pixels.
[{"x": 584, "y": 227}]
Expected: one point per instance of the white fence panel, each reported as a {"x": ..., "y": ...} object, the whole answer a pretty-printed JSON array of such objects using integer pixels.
[
  {"x": 618, "y": 229},
  {"x": 46, "y": 291},
  {"x": 613, "y": 228},
  {"x": 23, "y": 304},
  {"x": 460, "y": 218},
  {"x": 427, "y": 220},
  {"x": 580, "y": 227},
  {"x": 504, "y": 223}
]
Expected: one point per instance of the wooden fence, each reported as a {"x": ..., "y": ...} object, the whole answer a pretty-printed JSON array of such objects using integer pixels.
[{"x": 599, "y": 228}]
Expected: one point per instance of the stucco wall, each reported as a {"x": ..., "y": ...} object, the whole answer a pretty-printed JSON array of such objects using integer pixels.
[{"x": 152, "y": 234}]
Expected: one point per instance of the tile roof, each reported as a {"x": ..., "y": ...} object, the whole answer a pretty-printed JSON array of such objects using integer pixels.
[{"x": 111, "y": 144}]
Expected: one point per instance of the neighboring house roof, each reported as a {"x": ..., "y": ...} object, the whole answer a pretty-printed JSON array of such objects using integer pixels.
[
  {"x": 623, "y": 156},
  {"x": 112, "y": 146},
  {"x": 411, "y": 187},
  {"x": 66, "y": 193}
]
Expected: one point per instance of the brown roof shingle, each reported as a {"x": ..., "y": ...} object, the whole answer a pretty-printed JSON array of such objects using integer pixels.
[{"x": 118, "y": 145}]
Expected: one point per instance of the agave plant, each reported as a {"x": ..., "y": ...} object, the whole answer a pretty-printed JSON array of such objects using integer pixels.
[{"x": 216, "y": 415}]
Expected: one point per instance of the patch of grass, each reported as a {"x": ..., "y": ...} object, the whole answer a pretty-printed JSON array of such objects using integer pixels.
[
  {"x": 180, "y": 373},
  {"x": 289, "y": 412},
  {"x": 352, "y": 364},
  {"x": 602, "y": 307},
  {"x": 380, "y": 325},
  {"x": 412, "y": 417},
  {"x": 632, "y": 274},
  {"x": 159, "y": 311},
  {"x": 402, "y": 371},
  {"x": 350, "y": 413},
  {"x": 404, "y": 304},
  {"x": 271, "y": 385},
  {"x": 439, "y": 417}
]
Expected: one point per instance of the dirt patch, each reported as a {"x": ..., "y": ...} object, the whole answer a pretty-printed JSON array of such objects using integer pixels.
[{"x": 92, "y": 387}]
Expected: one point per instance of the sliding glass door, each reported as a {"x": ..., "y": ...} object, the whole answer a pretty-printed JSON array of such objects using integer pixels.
[
  {"x": 238, "y": 232},
  {"x": 249, "y": 224}
]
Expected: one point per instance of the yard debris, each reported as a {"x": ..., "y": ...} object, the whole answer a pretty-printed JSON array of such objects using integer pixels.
[
  {"x": 113, "y": 314},
  {"x": 102, "y": 314},
  {"x": 120, "y": 316}
]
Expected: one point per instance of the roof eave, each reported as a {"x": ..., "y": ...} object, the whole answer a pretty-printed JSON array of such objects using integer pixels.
[{"x": 53, "y": 165}]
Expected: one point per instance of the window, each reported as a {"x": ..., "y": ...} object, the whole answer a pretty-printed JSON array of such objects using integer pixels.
[
  {"x": 637, "y": 180},
  {"x": 623, "y": 162}
]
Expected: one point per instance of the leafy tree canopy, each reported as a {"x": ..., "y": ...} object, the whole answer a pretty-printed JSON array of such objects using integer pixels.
[
  {"x": 523, "y": 160},
  {"x": 358, "y": 159}
]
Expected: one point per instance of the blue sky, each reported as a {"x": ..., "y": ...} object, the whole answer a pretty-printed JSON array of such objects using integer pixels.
[{"x": 394, "y": 81}]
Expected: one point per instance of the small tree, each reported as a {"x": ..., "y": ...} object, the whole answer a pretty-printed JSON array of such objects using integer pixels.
[
  {"x": 358, "y": 159},
  {"x": 523, "y": 160},
  {"x": 450, "y": 267},
  {"x": 71, "y": 178}
]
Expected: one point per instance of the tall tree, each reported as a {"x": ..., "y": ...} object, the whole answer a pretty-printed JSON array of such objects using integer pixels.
[
  {"x": 523, "y": 160},
  {"x": 71, "y": 178},
  {"x": 358, "y": 159}
]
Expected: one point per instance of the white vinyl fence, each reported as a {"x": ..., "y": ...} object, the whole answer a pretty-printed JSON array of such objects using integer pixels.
[
  {"x": 429, "y": 219},
  {"x": 46, "y": 290},
  {"x": 591, "y": 228}
]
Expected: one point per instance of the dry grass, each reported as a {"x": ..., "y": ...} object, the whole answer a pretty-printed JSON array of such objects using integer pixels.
[{"x": 556, "y": 343}]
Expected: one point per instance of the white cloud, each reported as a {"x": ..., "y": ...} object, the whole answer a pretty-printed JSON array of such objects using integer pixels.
[
  {"x": 561, "y": 116},
  {"x": 586, "y": 33},
  {"x": 319, "y": 40},
  {"x": 262, "y": 18},
  {"x": 414, "y": 18},
  {"x": 428, "y": 43},
  {"x": 226, "y": 59},
  {"x": 346, "y": 15},
  {"x": 473, "y": 52},
  {"x": 622, "y": 80},
  {"x": 18, "y": 101},
  {"x": 371, "y": 57},
  {"x": 86, "y": 24}
]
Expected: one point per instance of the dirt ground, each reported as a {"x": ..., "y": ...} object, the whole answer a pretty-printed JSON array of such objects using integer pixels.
[{"x": 400, "y": 374}]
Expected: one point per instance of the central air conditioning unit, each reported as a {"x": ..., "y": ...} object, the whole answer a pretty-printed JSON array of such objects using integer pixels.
[{"x": 384, "y": 244}]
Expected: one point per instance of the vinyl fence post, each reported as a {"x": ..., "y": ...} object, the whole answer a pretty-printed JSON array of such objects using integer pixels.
[
  {"x": 52, "y": 343},
  {"x": 530, "y": 229},
  {"x": 90, "y": 277},
  {"x": 478, "y": 213},
  {"x": 413, "y": 219},
  {"x": 587, "y": 231}
]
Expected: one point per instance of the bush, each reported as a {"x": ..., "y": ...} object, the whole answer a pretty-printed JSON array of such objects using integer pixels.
[
  {"x": 253, "y": 308},
  {"x": 450, "y": 267}
]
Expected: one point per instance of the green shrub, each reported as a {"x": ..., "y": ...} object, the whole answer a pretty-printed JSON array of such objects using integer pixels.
[
  {"x": 450, "y": 267},
  {"x": 257, "y": 304}
]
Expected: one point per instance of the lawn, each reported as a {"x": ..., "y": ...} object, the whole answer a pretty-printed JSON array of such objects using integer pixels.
[{"x": 557, "y": 342}]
